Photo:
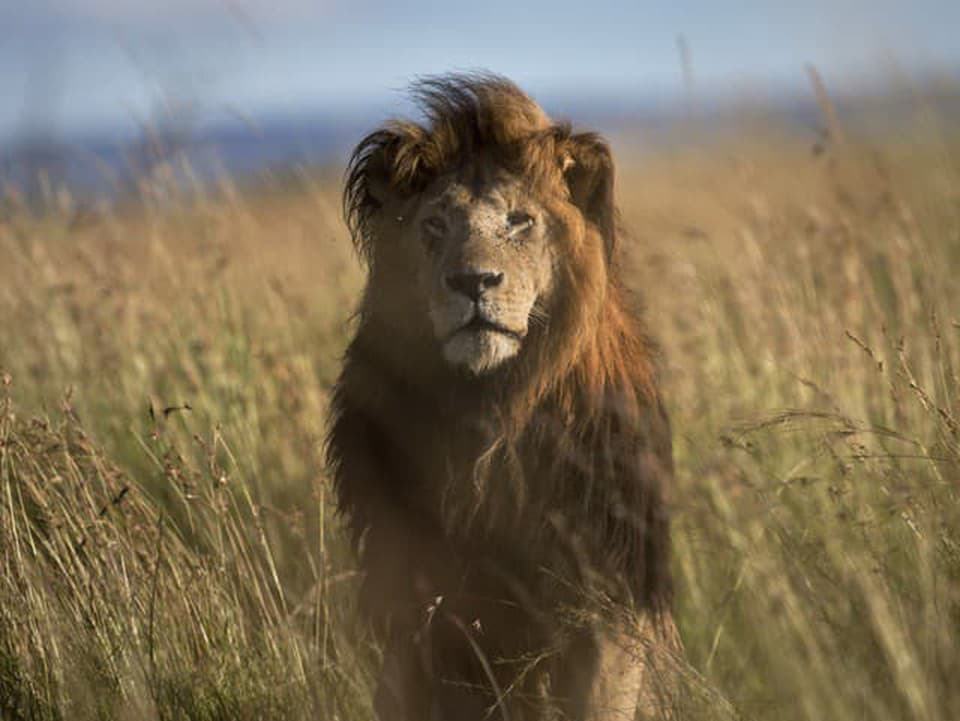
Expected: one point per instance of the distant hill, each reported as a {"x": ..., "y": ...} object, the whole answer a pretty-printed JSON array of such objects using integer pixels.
[{"x": 109, "y": 163}]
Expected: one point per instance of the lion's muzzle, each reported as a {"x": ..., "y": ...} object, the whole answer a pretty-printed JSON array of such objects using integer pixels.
[{"x": 474, "y": 284}]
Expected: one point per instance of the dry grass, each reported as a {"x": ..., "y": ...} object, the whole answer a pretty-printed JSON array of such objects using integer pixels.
[{"x": 169, "y": 562}]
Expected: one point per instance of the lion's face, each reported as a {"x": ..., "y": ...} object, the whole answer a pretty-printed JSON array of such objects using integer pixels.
[
  {"x": 488, "y": 231},
  {"x": 487, "y": 265}
]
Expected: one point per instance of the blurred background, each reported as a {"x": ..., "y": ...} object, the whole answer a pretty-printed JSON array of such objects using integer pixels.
[{"x": 93, "y": 90}]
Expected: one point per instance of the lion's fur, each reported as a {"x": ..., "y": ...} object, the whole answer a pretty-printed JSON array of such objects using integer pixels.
[{"x": 541, "y": 480}]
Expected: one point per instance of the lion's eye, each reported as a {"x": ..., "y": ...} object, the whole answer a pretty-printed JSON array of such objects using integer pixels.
[
  {"x": 435, "y": 227},
  {"x": 519, "y": 221}
]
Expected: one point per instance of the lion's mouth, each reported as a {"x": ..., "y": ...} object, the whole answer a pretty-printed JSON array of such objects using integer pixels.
[{"x": 480, "y": 324}]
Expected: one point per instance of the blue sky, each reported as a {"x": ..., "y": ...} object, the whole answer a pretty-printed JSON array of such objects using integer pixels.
[{"x": 75, "y": 65}]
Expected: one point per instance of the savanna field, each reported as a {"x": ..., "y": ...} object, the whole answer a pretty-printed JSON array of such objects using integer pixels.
[{"x": 168, "y": 549}]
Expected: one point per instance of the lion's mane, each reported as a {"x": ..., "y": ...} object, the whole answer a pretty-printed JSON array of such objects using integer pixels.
[{"x": 557, "y": 461}]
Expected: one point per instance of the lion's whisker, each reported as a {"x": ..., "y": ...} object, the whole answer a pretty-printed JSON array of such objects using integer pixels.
[{"x": 539, "y": 317}]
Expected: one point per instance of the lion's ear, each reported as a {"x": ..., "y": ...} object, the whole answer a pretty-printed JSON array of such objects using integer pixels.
[
  {"x": 372, "y": 164},
  {"x": 587, "y": 165},
  {"x": 386, "y": 166}
]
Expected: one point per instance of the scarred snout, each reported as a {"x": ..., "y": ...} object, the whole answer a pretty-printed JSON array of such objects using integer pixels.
[
  {"x": 479, "y": 317},
  {"x": 473, "y": 283}
]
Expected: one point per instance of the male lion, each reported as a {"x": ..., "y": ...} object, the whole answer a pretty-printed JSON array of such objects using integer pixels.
[{"x": 498, "y": 442}]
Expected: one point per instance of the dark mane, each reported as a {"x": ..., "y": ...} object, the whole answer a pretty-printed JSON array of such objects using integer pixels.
[{"x": 577, "y": 423}]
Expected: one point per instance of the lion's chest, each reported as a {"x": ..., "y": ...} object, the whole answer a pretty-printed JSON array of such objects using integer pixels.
[{"x": 486, "y": 493}]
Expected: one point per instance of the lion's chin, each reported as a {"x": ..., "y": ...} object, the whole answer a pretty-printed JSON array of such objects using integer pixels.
[{"x": 480, "y": 351}]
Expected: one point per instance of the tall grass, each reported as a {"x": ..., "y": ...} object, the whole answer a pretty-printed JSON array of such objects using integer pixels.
[{"x": 168, "y": 549}]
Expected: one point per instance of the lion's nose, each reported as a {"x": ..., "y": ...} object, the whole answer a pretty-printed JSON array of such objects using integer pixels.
[{"x": 473, "y": 285}]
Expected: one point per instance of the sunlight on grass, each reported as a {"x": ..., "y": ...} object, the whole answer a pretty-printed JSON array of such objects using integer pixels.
[{"x": 168, "y": 546}]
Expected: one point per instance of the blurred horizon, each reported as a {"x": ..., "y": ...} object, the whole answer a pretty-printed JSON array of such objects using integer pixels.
[
  {"x": 96, "y": 93},
  {"x": 75, "y": 67}
]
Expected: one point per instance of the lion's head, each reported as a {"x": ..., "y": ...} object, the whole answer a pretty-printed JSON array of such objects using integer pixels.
[{"x": 480, "y": 223}]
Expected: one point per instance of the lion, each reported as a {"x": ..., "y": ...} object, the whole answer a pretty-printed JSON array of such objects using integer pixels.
[{"x": 498, "y": 442}]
